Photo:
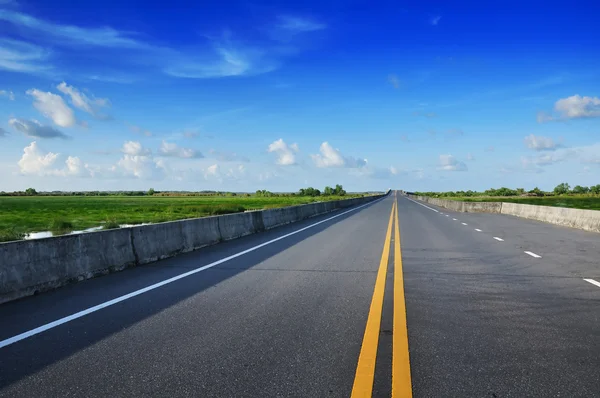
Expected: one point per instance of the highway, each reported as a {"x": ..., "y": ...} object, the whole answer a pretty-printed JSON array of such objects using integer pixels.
[{"x": 393, "y": 298}]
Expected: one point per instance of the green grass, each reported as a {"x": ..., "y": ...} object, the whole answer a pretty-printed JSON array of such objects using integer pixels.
[
  {"x": 588, "y": 202},
  {"x": 61, "y": 214}
]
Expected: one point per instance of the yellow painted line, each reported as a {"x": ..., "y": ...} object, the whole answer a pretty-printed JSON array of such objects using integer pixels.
[
  {"x": 365, "y": 370},
  {"x": 401, "y": 381}
]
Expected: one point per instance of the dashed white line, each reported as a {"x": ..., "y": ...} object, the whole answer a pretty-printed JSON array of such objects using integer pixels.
[
  {"x": 498, "y": 239},
  {"x": 421, "y": 204},
  {"x": 477, "y": 229},
  {"x": 117, "y": 300},
  {"x": 593, "y": 282},
  {"x": 447, "y": 215},
  {"x": 464, "y": 223},
  {"x": 532, "y": 254},
  {"x": 455, "y": 219}
]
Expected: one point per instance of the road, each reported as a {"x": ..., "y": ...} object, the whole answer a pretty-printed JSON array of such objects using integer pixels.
[{"x": 399, "y": 297}]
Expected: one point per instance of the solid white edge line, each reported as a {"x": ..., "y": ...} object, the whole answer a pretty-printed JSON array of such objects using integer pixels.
[
  {"x": 421, "y": 204},
  {"x": 498, "y": 239},
  {"x": 98, "y": 307},
  {"x": 464, "y": 223},
  {"x": 477, "y": 229},
  {"x": 532, "y": 254},
  {"x": 593, "y": 282}
]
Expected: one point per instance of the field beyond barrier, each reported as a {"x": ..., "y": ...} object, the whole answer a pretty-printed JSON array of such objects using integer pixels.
[
  {"x": 588, "y": 220},
  {"x": 33, "y": 266}
]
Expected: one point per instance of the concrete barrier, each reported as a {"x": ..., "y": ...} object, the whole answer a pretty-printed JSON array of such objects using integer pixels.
[
  {"x": 29, "y": 267},
  {"x": 588, "y": 220}
]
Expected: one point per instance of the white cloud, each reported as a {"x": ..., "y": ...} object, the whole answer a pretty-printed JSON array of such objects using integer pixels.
[
  {"x": 36, "y": 162},
  {"x": 138, "y": 162},
  {"x": 578, "y": 107},
  {"x": 83, "y": 102},
  {"x": 173, "y": 150},
  {"x": 35, "y": 129},
  {"x": 134, "y": 148},
  {"x": 450, "y": 163},
  {"x": 539, "y": 143},
  {"x": 573, "y": 107},
  {"x": 139, "y": 130},
  {"x": 470, "y": 157},
  {"x": 331, "y": 157},
  {"x": 8, "y": 94},
  {"x": 435, "y": 20},
  {"x": 103, "y": 37},
  {"x": 19, "y": 56},
  {"x": 298, "y": 24},
  {"x": 286, "y": 154},
  {"x": 53, "y": 107}
]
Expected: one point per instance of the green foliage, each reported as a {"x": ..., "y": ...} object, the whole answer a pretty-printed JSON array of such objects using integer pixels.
[
  {"x": 65, "y": 213},
  {"x": 30, "y": 192},
  {"x": 60, "y": 225},
  {"x": 310, "y": 191},
  {"x": 264, "y": 193},
  {"x": 578, "y": 189},
  {"x": 595, "y": 189},
  {"x": 328, "y": 191},
  {"x": 536, "y": 191},
  {"x": 339, "y": 190},
  {"x": 10, "y": 234},
  {"x": 150, "y": 192},
  {"x": 562, "y": 189}
]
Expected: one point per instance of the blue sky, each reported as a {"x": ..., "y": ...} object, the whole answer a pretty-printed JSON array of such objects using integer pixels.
[{"x": 247, "y": 95}]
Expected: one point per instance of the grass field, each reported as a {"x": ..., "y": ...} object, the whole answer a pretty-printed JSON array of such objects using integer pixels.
[
  {"x": 62, "y": 214},
  {"x": 588, "y": 202}
]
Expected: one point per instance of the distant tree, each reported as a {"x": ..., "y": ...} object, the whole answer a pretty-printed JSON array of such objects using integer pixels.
[
  {"x": 328, "y": 191},
  {"x": 30, "y": 191},
  {"x": 537, "y": 191},
  {"x": 339, "y": 190},
  {"x": 150, "y": 192},
  {"x": 578, "y": 189},
  {"x": 562, "y": 189},
  {"x": 520, "y": 191},
  {"x": 595, "y": 189}
]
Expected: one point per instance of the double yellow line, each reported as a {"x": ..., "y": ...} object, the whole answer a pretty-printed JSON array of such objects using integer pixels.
[{"x": 365, "y": 370}]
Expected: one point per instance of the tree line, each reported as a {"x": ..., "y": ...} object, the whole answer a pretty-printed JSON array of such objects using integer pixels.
[{"x": 561, "y": 189}]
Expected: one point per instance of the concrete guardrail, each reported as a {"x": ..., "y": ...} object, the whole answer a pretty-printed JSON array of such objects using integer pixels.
[
  {"x": 588, "y": 220},
  {"x": 33, "y": 266}
]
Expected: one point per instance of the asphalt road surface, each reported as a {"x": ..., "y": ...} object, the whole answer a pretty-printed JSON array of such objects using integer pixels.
[{"x": 403, "y": 299}]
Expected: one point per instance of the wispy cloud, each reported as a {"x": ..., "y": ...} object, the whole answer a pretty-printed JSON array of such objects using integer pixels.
[
  {"x": 170, "y": 149},
  {"x": 70, "y": 34},
  {"x": 8, "y": 94},
  {"x": 540, "y": 143},
  {"x": 450, "y": 163},
  {"x": 19, "y": 56},
  {"x": 227, "y": 59},
  {"x": 53, "y": 107},
  {"x": 435, "y": 20},
  {"x": 83, "y": 102},
  {"x": 394, "y": 81},
  {"x": 298, "y": 24}
]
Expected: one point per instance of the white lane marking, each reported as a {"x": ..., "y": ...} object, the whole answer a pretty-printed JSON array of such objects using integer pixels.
[
  {"x": 464, "y": 223},
  {"x": 499, "y": 239},
  {"x": 455, "y": 219},
  {"x": 447, "y": 215},
  {"x": 477, "y": 229},
  {"x": 98, "y": 307},
  {"x": 421, "y": 204},
  {"x": 532, "y": 254},
  {"x": 593, "y": 282}
]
